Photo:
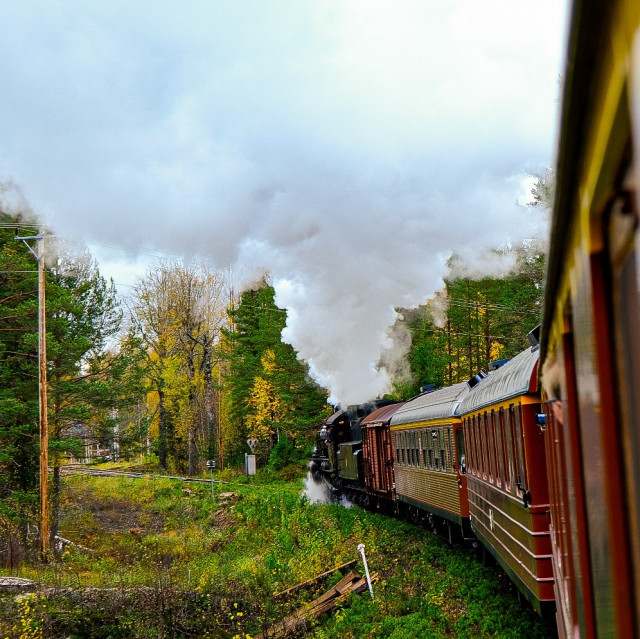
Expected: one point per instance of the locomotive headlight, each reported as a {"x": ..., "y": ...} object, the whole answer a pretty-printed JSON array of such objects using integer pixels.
[{"x": 323, "y": 434}]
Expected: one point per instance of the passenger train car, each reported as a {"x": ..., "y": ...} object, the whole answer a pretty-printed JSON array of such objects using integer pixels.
[
  {"x": 429, "y": 458},
  {"x": 590, "y": 352},
  {"x": 506, "y": 475}
]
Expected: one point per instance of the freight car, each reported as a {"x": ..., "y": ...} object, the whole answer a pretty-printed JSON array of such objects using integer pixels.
[
  {"x": 379, "y": 476},
  {"x": 590, "y": 350}
]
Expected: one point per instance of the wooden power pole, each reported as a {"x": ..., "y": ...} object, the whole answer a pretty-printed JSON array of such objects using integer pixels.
[
  {"x": 42, "y": 388},
  {"x": 44, "y": 422}
]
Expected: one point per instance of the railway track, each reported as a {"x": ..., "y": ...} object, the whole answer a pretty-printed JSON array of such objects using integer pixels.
[{"x": 75, "y": 469}]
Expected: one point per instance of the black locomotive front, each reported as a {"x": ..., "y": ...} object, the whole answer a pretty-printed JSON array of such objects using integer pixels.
[{"x": 338, "y": 455}]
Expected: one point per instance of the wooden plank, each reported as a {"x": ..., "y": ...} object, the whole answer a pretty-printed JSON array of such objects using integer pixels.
[
  {"x": 353, "y": 582},
  {"x": 302, "y": 584}
]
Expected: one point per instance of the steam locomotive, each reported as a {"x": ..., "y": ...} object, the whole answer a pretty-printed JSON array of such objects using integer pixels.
[{"x": 537, "y": 458}]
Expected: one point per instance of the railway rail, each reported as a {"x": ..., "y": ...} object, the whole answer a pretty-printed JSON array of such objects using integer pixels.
[{"x": 80, "y": 469}]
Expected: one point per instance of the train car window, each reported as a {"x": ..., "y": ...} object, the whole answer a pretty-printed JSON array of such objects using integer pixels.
[
  {"x": 443, "y": 463},
  {"x": 466, "y": 439},
  {"x": 475, "y": 445},
  {"x": 486, "y": 426},
  {"x": 461, "y": 457},
  {"x": 476, "y": 448},
  {"x": 406, "y": 448},
  {"x": 431, "y": 465},
  {"x": 497, "y": 421},
  {"x": 519, "y": 440},
  {"x": 432, "y": 448},
  {"x": 424, "y": 448},
  {"x": 484, "y": 453},
  {"x": 492, "y": 445},
  {"x": 479, "y": 439},
  {"x": 511, "y": 448},
  {"x": 473, "y": 437},
  {"x": 504, "y": 444},
  {"x": 435, "y": 435}
]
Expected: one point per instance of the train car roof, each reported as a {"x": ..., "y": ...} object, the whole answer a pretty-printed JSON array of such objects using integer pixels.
[
  {"x": 517, "y": 377},
  {"x": 438, "y": 404},
  {"x": 382, "y": 415}
]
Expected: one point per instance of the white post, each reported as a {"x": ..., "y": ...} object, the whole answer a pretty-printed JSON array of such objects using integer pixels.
[{"x": 366, "y": 568}]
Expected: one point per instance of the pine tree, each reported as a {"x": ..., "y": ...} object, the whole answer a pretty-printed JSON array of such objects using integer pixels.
[
  {"x": 19, "y": 442},
  {"x": 269, "y": 391}
]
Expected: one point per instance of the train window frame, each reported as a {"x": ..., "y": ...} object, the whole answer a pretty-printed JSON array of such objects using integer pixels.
[
  {"x": 423, "y": 447},
  {"x": 483, "y": 446},
  {"x": 460, "y": 450},
  {"x": 436, "y": 448},
  {"x": 505, "y": 449},
  {"x": 431, "y": 464},
  {"x": 476, "y": 447},
  {"x": 476, "y": 444},
  {"x": 499, "y": 439},
  {"x": 491, "y": 441},
  {"x": 514, "y": 470},
  {"x": 466, "y": 435},
  {"x": 522, "y": 467}
]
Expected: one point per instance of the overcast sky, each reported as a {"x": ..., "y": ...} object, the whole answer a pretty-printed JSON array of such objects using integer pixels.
[{"x": 346, "y": 146}]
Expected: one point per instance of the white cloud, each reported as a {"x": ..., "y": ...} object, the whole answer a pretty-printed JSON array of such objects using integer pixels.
[{"x": 348, "y": 146}]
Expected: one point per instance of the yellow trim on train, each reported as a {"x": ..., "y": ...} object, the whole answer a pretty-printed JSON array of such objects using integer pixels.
[
  {"x": 426, "y": 424},
  {"x": 518, "y": 400}
]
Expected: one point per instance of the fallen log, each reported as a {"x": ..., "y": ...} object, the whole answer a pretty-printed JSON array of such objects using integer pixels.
[
  {"x": 353, "y": 582},
  {"x": 313, "y": 580}
]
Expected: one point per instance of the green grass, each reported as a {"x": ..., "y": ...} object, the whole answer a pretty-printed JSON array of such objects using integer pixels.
[{"x": 172, "y": 563}]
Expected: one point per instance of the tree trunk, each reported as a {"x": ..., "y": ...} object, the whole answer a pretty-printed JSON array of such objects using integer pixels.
[
  {"x": 193, "y": 453},
  {"x": 55, "y": 503},
  {"x": 163, "y": 432}
]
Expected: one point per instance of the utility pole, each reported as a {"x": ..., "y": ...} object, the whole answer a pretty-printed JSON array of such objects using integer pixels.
[{"x": 44, "y": 424}]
